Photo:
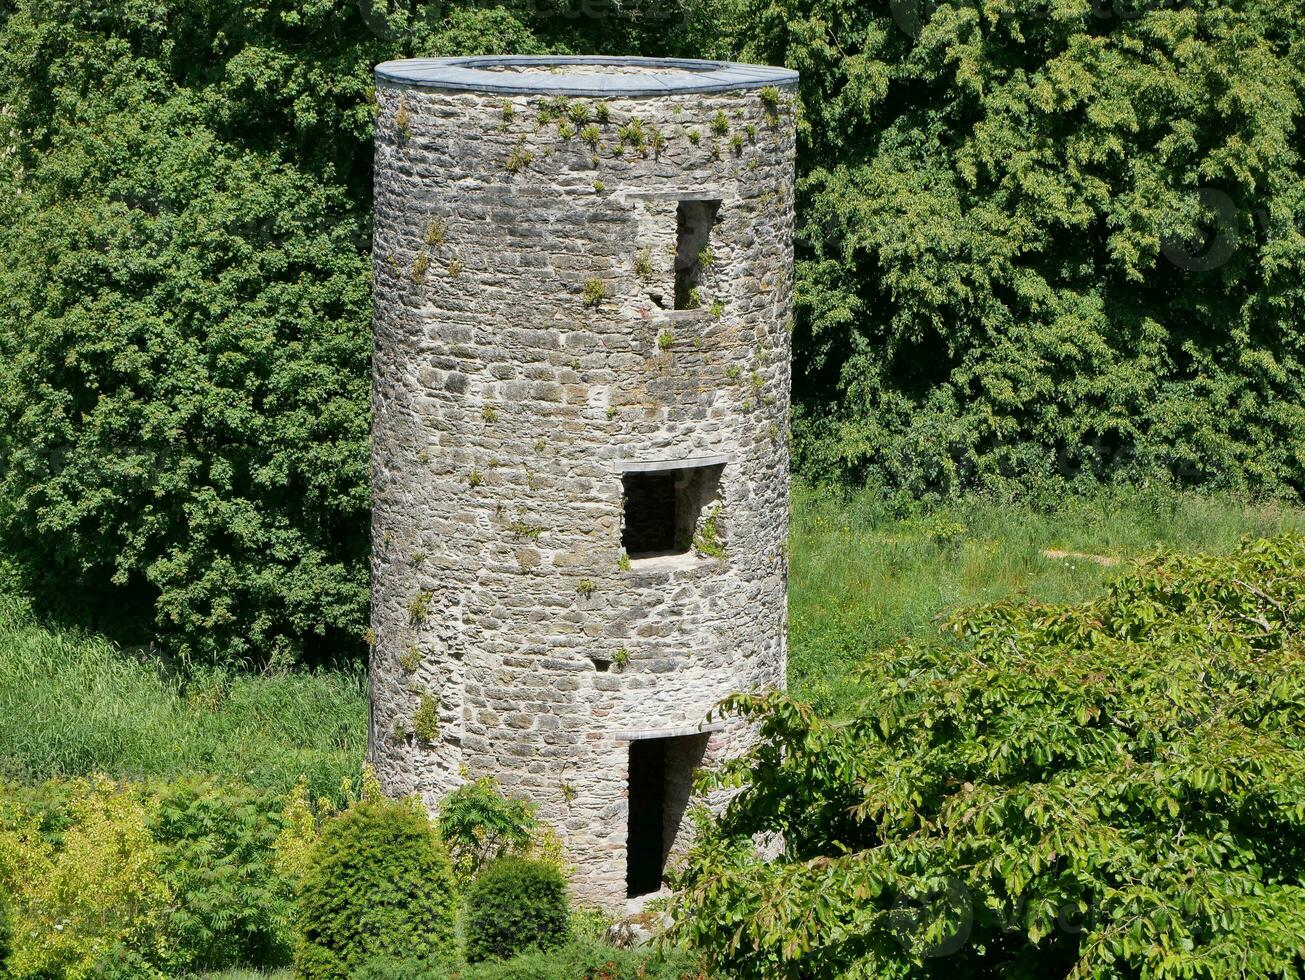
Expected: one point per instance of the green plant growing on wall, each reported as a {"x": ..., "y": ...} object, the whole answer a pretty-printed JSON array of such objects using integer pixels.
[
  {"x": 403, "y": 120},
  {"x": 419, "y": 266},
  {"x": 578, "y": 113},
  {"x": 565, "y": 130},
  {"x": 455, "y": 268},
  {"x": 664, "y": 340},
  {"x": 586, "y": 587},
  {"x": 623, "y": 563},
  {"x": 519, "y": 158},
  {"x": 736, "y": 144},
  {"x": 643, "y": 265},
  {"x": 489, "y": 413},
  {"x": 475, "y": 478},
  {"x": 437, "y": 230},
  {"x": 733, "y": 372},
  {"x": 426, "y": 719},
  {"x": 611, "y": 412},
  {"x": 634, "y": 135},
  {"x": 569, "y": 792},
  {"x": 593, "y": 292},
  {"x": 708, "y": 541},
  {"x": 706, "y": 257},
  {"x": 695, "y": 137},
  {"x": 695, "y": 298},
  {"x": 751, "y": 130},
  {"x": 552, "y": 109},
  {"x": 419, "y": 607},
  {"x": 720, "y": 124},
  {"x": 718, "y": 309},
  {"x": 621, "y": 658},
  {"x": 509, "y": 112},
  {"x": 599, "y": 187},
  {"x": 602, "y": 113},
  {"x": 411, "y": 659},
  {"x": 770, "y": 98},
  {"x": 657, "y": 140},
  {"x": 399, "y": 731}
]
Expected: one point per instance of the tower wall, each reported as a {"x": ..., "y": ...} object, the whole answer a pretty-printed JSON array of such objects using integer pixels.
[{"x": 535, "y": 390}]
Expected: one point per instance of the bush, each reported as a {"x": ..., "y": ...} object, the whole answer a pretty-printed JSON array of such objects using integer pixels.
[
  {"x": 1053, "y": 289},
  {"x": 94, "y": 905},
  {"x": 579, "y": 959},
  {"x": 379, "y": 884},
  {"x": 232, "y": 905},
  {"x": 516, "y": 905},
  {"x": 479, "y": 824},
  {"x": 1114, "y": 789}
]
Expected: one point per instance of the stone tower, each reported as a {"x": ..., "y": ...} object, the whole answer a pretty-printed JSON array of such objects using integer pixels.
[{"x": 583, "y": 276}]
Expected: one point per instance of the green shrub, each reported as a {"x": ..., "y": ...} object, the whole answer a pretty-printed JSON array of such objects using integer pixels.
[
  {"x": 232, "y": 904},
  {"x": 378, "y": 884},
  {"x": 514, "y": 906},
  {"x": 6, "y": 929},
  {"x": 478, "y": 824},
  {"x": 579, "y": 959},
  {"x": 84, "y": 890},
  {"x": 1114, "y": 789}
]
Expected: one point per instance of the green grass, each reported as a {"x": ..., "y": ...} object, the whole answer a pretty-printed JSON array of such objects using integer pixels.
[
  {"x": 72, "y": 704},
  {"x": 866, "y": 572}
]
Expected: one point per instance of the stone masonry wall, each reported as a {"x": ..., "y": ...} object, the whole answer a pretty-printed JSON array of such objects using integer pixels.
[{"x": 521, "y": 365}]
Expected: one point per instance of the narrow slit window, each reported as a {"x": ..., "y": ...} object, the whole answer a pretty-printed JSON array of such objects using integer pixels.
[
  {"x": 694, "y": 222},
  {"x": 663, "y": 509}
]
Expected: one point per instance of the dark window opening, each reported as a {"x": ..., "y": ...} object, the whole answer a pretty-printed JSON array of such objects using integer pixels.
[
  {"x": 694, "y": 222},
  {"x": 663, "y": 508},
  {"x": 660, "y": 785}
]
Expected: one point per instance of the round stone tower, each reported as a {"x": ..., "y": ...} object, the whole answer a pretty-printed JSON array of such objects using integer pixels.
[{"x": 583, "y": 276}]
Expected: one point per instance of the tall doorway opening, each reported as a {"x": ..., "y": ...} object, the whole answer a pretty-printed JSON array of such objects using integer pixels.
[{"x": 660, "y": 786}]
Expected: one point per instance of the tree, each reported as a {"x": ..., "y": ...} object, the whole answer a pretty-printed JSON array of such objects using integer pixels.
[
  {"x": 1109, "y": 790},
  {"x": 1046, "y": 242}
]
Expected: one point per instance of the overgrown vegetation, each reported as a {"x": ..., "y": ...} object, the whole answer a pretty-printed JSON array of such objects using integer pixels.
[
  {"x": 1108, "y": 789},
  {"x": 1046, "y": 241}
]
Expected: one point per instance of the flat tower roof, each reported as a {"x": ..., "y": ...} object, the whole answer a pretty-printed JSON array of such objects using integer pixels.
[{"x": 590, "y": 75}]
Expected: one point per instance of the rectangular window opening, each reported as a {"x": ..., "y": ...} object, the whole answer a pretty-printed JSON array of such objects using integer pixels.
[
  {"x": 694, "y": 222},
  {"x": 663, "y": 509},
  {"x": 660, "y": 787}
]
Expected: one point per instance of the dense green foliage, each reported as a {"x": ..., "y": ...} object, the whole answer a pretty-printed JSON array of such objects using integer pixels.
[
  {"x": 378, "y": 883},
  {"x": 478, "y": 824},
  {"x": 232, "y": 901},
  {"x": 580, "y": 959},
  {"x": 185, "y": 300},
  {"x": 516, "y": 905},
  {"x": 1113, "y": 789},
  {"x": 146, "y": 878},
  {"x": 1038, "y": 240}
]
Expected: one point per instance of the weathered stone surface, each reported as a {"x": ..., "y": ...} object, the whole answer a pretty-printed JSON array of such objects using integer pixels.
[{"x": 505, "y": 406}]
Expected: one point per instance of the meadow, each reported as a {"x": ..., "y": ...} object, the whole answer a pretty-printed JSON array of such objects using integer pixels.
[{"x": 865, "y": 572}]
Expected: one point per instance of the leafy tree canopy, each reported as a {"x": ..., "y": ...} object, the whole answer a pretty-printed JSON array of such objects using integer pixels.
[
  {"x": 1045, "y": 240},
  {"x": 1111, "y": 790}
]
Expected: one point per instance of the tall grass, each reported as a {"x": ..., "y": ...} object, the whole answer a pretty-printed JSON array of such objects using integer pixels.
[
  {"x": 866, "y": 571},
  {"x": 72, "y": 704}
]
